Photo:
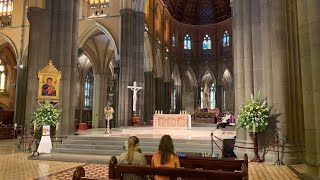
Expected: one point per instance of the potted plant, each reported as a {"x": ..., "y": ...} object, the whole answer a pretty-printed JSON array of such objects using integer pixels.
[
  {"x": 253, "y": 116},
  {"x": 46, "y": 114}
]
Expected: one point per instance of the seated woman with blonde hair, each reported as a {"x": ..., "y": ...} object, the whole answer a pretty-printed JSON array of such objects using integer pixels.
[
  {"x": 133, "y": 157},
  {"x": 165, "y": 156}
]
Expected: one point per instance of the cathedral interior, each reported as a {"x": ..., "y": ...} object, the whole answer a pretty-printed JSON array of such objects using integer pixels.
[{"x": 188, "y": 56}]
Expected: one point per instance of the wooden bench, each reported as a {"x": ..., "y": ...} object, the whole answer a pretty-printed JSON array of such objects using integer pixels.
[
  {"x": 207, "y": 163},
  {"x": 116, "y": 171}
]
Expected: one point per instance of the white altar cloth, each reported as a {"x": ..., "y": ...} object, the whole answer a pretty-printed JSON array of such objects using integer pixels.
[{"x": 45, "y": 145}]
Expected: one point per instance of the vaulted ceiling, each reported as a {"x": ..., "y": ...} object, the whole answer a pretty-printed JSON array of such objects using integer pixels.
[{"x": 199, "y": 12}]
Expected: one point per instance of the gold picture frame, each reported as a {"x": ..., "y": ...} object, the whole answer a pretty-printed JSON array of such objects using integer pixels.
[{"x": 49, "y": 83}]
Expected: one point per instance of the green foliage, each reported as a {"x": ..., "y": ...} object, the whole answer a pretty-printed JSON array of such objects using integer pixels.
[
  {"x": 46, "y": 114},
  {"x": 254, "y": 114}
]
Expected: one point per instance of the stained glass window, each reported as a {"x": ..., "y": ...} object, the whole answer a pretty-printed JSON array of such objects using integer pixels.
[
  {"x": 173, "y": 41},
  {"x": 212, "y": 97},
  {"x": 206, "y": 42},
  {"x": 6, "y": 8},
  {"x": 226, "y": 39},
  {"x": 2, "y": 76},
  {"x": 187, "y": 42},
  {"x": 88, "y": 91}
]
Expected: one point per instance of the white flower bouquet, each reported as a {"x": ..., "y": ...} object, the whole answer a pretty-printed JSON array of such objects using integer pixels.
[
  {"x": 46, "y": 114},
  {"x": 254, "y": 114}
]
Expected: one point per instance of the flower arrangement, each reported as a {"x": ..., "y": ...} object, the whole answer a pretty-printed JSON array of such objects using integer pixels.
[
  {"x": 254, "y": 114},
  {"x": 46, "y": 114}
]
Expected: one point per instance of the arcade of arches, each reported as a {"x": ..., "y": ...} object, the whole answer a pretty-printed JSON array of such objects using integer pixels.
[{"x": 186, "y": 55}]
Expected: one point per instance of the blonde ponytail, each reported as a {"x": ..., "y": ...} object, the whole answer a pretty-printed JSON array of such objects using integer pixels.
[{"x": 132, "y": 144}]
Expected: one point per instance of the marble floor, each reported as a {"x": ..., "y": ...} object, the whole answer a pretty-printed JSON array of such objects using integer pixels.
[{"x": 15, "y": 164}]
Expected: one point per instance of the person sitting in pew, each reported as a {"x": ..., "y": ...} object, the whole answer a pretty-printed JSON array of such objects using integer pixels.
[
  {"x": 165, "y": 156},
  {"x": 133, "y": 157}
]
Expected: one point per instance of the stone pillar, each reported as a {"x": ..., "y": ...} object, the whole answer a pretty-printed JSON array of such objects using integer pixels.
[
  {"x": 21, "y": 96},
  {"x": 99, "y": 100},
  {"x": 159, "y": 98},
  {"x": 131, "y": 64},
  {"x": 219, "y": 97},
  {"x": 308, "y": 28},
  {"x": 149, "y": 93},
  {"x": 39, "y": 38},
  {"x": 167, "y": 96},
  {"x": 237, "y": 34},
  {"x": 179, "y": 98}
]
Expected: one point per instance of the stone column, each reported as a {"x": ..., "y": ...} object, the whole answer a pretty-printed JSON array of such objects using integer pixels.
[
  {"x": 39, "y": 38},
  {"x": 99, "y": 100},
  {"x": 159, "y": 94},
  {"x": 308, "y": 28},
  {"x": 179, "y": 98},
  {"x": 149, "y": 101},
  {"x": 219, "y": 97},
  {"x": 167, "y": 96},
  {"x": 132, "y": 63},
  {"x": 237, "y": 34},
  {"x": 21, "y": 95}
]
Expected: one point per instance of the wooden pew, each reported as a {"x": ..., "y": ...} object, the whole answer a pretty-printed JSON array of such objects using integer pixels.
[
  {"x": 207, "y": 163},
  {"x": 116, "y": 171}
]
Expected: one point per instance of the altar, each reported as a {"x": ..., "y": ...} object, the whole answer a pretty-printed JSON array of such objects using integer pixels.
[{"x": 172, "y": 121}]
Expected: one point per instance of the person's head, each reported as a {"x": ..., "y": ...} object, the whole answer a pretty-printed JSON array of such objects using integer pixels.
[
  {"x": 166, "y": 148},
  {"x": 78, "y": 173},
  {"x": 133, "y": 143},
  {"x": 49, "y": 80}
]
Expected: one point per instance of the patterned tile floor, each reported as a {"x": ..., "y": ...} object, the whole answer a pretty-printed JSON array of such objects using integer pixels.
[{"x": 15, "y": 165}]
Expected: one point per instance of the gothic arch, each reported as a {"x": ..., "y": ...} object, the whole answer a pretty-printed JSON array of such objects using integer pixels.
[
  {"x": 176, "y": 75},
  {"x": 6, "y": 39},
  {"x": 226, "y": 79},
  {"x": 148, "y": 63},
  {"x": 192, "y": 75},
  {"x": 92, "y": 31},
  {"x": 207, "y": 70}
]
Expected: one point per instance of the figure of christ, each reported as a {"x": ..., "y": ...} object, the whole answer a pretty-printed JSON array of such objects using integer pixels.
[
  {"x": 135, "y": 89},
  {"x": 206, "y": 96},
  {"x": 108, "y": 110}
]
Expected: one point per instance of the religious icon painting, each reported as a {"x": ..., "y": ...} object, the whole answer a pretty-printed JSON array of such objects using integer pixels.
[{"x": 49, "y": 83}]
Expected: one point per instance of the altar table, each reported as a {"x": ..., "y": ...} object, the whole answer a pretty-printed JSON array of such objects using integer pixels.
[{"x": 172, "y": 121}]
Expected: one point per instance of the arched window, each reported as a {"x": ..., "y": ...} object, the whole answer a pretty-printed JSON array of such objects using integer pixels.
[
  {"x": 173, "y": 41},
  {"x": 88, "y": 90},
  {"x": 226, "y": 39},
  {"x": 2, "y": 76},
  {"x": 212, "y": 97},
  {"x": 6, "y": 8},
  {"x": 99, "y": 7},
  {"x": 174, "y": 98},
  {"x": 206, "y": 44},
  {"x": 187, "y": 42}
]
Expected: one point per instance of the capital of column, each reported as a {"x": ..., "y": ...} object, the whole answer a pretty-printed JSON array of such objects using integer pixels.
[{"x": 126, "y": 12}]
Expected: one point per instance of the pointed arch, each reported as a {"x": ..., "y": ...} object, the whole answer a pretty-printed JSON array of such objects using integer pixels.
[
  {"x": 97, "y": 27},
  {"x": 176, "y": 75},
  {"x": 6, "y": 39},
  {"x": 191, "y": 74},
  {"x": 207, "y": 70}
]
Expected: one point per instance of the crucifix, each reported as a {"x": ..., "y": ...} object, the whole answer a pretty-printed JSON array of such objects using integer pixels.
[{"x": 135, "y": 89}]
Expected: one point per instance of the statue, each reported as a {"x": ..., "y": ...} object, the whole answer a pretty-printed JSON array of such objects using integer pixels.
[
  {"x": 135, "y": 89},
  {"x": 108, "y": 110},
  {"x": 206, "y": 96}
]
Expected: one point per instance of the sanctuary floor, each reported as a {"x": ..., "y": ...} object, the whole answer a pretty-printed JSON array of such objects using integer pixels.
[{"x": 16, "y": 165}]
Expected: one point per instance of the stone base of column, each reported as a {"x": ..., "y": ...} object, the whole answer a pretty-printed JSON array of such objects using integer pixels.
[
  {"x": 313, "y": 172},
  {"x": 291, "y": 154}
]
